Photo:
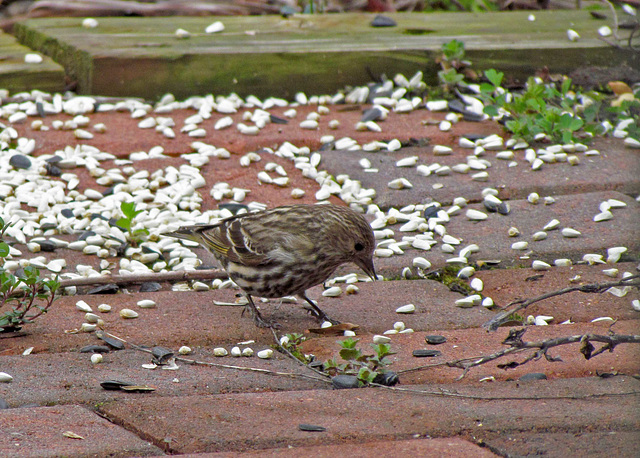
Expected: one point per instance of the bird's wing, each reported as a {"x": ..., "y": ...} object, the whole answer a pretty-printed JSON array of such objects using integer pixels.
[
  {"x": 252, "y": 239},
  {"x": 233, "y": 240}
]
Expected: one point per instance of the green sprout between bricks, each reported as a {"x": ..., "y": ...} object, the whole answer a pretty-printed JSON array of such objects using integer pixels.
[
  {"x": 135, "y": 235},
  {"x": 556, "y": 109},
  {"x": 366, "y": 367},
  {"x": 24, "y": 296}
]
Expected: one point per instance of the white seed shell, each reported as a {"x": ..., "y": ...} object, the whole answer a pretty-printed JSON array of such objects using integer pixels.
[
  {"x": 128, "y": 314},
  {"x": 146, "y": 304},
  {"x": 409, "y": 308}
]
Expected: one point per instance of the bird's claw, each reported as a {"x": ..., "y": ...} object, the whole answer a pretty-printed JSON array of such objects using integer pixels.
[
  {"x": 322, "y": 317},
  {"x": 262, "y": 323}
]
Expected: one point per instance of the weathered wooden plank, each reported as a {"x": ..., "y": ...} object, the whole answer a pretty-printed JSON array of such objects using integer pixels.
[
  {"x": 270, "y": 55},
  {"x": 17, "y": 76}
]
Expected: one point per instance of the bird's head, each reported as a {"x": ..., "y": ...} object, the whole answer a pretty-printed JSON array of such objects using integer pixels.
[{"x": 359, "y": 242}]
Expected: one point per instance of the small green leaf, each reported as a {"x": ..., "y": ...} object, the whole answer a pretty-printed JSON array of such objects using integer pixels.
[
  {"x": 139, "y": 233},
  {"x": 576, "y": 124},
  {"x": 366, "y": 375},
  {"x": 349, "y": 354},
  {"x": 533, "y": 104},
  {"x": 128, "y": 209},
  {"x": 349, "y": 343},
  {"x": 382, "y": 349},
  {"x": 124, "y": 223},
  {"x": 494, "y": 76},
  {"x": 491, "y": 110},
  {"x": 4, "y": 250},
  {"x": 486, "y": 88},
  {"x": 453, "y": 50}
]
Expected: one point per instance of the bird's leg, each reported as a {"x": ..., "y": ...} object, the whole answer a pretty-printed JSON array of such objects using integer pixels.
[
  {"x": 257, "y": 317},
  {"x": 317, "y": 311}
]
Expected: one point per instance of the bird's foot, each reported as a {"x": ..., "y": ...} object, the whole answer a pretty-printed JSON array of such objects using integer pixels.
[
  {"x": 259, "y": 320},
  {"x": 317, "y": 312},
  {"x": 321, "y": 316},
  {"x": 262, "y": 323}
]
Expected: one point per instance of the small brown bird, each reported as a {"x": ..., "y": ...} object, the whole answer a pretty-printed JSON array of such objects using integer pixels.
[{"x": 286, "y": 250}]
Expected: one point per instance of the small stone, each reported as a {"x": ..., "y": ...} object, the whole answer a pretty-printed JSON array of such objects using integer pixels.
[
  {"x": 342, "y": 382},
  {"x": 383, "y": 21}
]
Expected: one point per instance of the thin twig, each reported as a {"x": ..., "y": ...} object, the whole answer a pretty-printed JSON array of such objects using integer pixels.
[
  {"x": 450, "y": 394},
  {"x": 501, "y": 317},
  {"x": 615, "y": 19},
  {"x": 182, "y": 275},
  {"x": 288, "y": 353},
  {"x": 517, "y": 345},
  {"x": 224, "y": 366}
]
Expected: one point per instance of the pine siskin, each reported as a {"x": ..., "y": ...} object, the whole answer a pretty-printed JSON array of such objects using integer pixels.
[{"x": 286, "y": 250}]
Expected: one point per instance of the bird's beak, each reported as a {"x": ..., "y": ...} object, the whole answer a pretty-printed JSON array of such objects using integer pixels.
[{"x": 367, "y": 266}]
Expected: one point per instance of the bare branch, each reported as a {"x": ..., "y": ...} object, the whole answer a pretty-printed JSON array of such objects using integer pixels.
[
  {"x": 453, "y": 394},
  {"x": 224, "y": 366},
  {"x": 501, "y": 317},
  {"x": 290, "y": 355},
  {"x": 182, "y": 275},
  {"x": 615, "y": 19},
  {"x": 541, "y": 348}
]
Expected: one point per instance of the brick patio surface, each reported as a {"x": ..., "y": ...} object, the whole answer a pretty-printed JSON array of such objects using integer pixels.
[{"x": 219, "y": 407}]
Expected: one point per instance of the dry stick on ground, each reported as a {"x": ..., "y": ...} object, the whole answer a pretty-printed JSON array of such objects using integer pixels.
[
  {"x": 501, "y": 317},
  {"x": 441, "y": 393},
  {"x": 517, "y": 345},
  {"x": 224, "y": 366},
  {"x": 290, "y": 355},
  {"x": 476, "y": 397},
  {"x": 182, "y": 275}
]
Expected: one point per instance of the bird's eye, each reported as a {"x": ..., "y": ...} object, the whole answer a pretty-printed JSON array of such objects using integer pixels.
[{"x": 359, "y": 246}]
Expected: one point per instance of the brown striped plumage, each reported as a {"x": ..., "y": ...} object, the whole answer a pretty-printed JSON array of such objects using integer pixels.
[{"x": 286, "y": 250}]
